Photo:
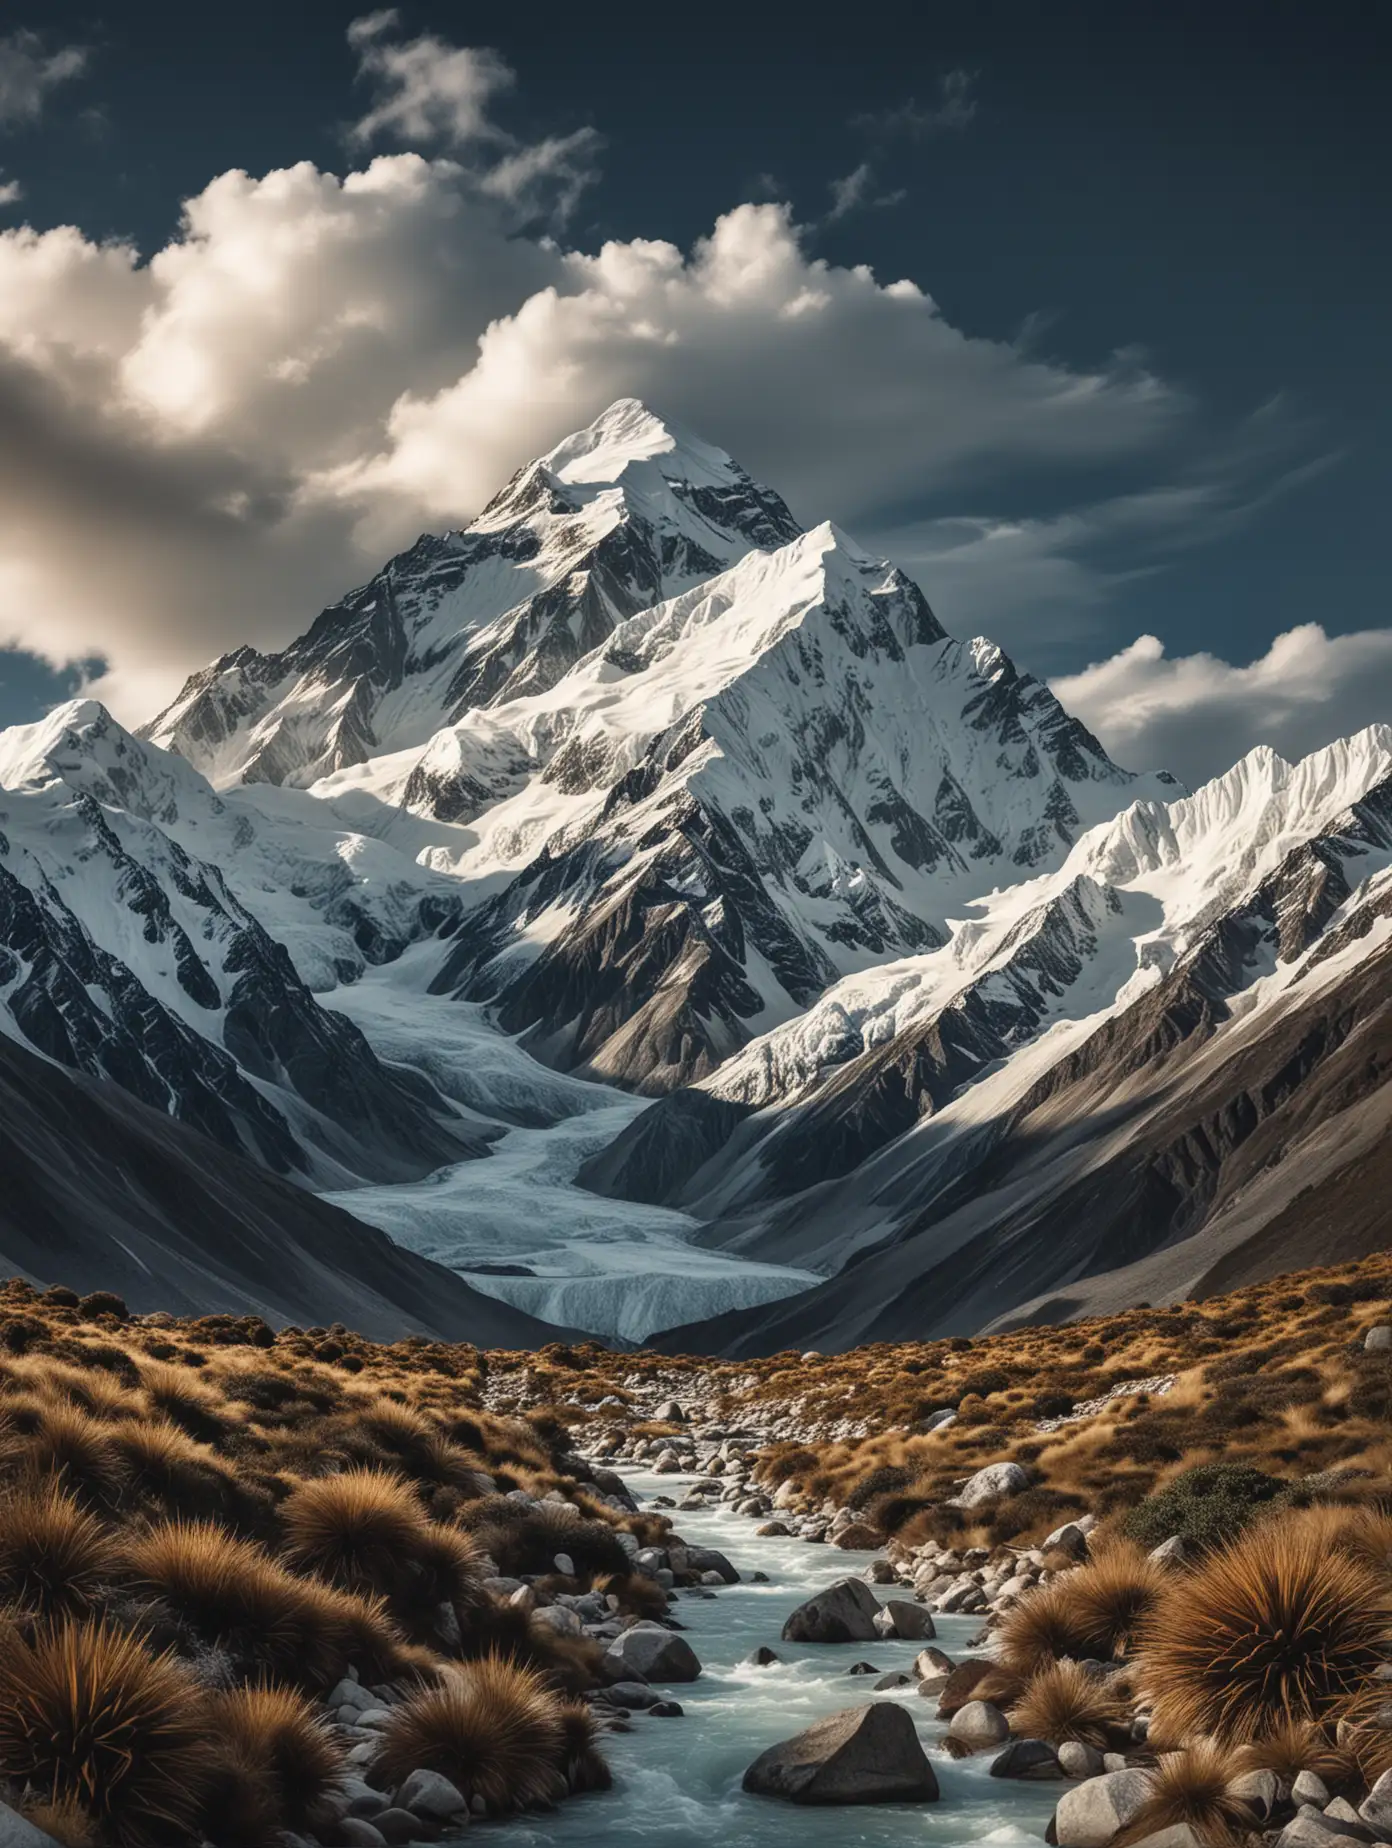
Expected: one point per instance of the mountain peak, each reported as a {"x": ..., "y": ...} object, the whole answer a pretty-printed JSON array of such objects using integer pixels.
[{"x": 628, "y": 433}]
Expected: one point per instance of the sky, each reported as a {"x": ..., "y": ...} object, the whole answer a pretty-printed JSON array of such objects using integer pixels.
[{"x": 1079, "y": 312}]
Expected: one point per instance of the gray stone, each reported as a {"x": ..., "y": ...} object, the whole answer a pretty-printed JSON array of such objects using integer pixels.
[
  {"x": 564, "y": 1564},
  {"x": 1340, "y": 1810},
  {"x": 1079, "y": 1760},
  {"x": 978, "y": 1724},
  {"x": 861, "y": 1755},
  {"x": 932, "y": 1662},
  {"x": 1069, "y": 1539},
  {"x": 1259, "y": 1790},
  {"x": 653, "y": 1653},
  {"x": 1178, "y": 1835},
  {"x": 17, "y": 1831},
  {"x": 1309, "y": 1787},
  {"x": 895, "y": 1680},
  {"x": 910, "y": 1623},
  {"x": 631, "y": 1695},
  {"x": 397, "y": 1825},
  {"x": 1027, "y": 1758},
  {"x": 762, "y": 1657},
  {"x": 429, "y": 1794},
  {"x": 1313, "y": 1828},
  {"x": 1378, "y": 1340},
  {"x": 356, "y": 1832},
  {"x": 560, "y": 1619},
  {"x": 1090, "y": 1814},
  {"x": 1172, "y": 1552},
  {"x": 844, "y": 1613},
  {"x": 1376, "y": 1807},
  {"x": 991, "y": 1484}
]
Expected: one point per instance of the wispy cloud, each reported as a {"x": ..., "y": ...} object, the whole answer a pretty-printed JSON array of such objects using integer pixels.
[
  {"x": 855, "y": 192},
  {"x": 428, "y": 92},
  {"x": 28, "y": 71},
  {"x": 11, "y": 192},
  {"x": 951, "y": 108}
]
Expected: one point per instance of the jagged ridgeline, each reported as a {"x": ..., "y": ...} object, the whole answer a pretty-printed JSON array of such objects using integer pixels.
[{"x": 643, "y": 906}]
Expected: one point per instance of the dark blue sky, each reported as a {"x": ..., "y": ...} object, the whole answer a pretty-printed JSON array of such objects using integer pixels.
[{"x": 1207, "y": 185}]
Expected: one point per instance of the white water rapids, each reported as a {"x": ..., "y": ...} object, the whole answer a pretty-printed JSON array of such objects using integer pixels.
[{"x": 677, "y": 1781}]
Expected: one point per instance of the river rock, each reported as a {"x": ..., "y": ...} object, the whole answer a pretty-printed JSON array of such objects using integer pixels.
[
  {"x": 17, "y": 1831},
  {"x": 1027, "y": 1758},
  {"x": 960, "y": 1683},
  {"x": 1080, "y": 1760},
  {"x": 991, "y": 1484},
  {"x": 909, "y": 1622},
  {"x": 979, "y": 1724},
  {"x": 1309, "y": 1787},
  {"x": 844, "y": 1613},
  {"x": 1259, "y": 1790},
  {"x": 932, "y": 1662},
  {"x": 427, "y": 1793},
  {"x": 652, "y": 1652},
  {"x": 1312, "y": 1828},
  {"x": 858, "y": 1537},
  {"x": 862, "y": 1668},
  {"x": 762, "y": 1657},
  {"x": 861, "y": 1755},
  {"x": 1376, "y": 1807},
  {"x": 699, "y": 1559},
  {"x": 1171, "y": 1552},
  {"x": 356, "y": 1832},
  {"x": 773, "y": 1530},
  {"x": 1090, "y": 1814},
  {"x": 896, "y": 1679}
]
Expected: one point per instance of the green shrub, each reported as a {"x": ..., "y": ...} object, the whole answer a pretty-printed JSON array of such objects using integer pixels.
[{"x": 1203, "y": 1506}]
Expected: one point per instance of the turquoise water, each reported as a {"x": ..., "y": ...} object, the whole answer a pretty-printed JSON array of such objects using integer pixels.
[{"x": 677, "y": 1782}]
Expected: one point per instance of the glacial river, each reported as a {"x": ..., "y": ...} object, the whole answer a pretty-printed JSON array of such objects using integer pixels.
[{"x": 677, "y": 1781}]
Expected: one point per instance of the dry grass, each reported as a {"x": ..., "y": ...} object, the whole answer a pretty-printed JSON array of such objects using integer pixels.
[
  {"x": 1063, "y": 1702},
  {"x": 493, "y": 1728},
  {"x": 54, "y": 1556},
  {"x": 1271, "y": 1629},
  {"x": 1192, "y": 1787},
  {"x": 89, "y": 1718},
  {"x": 288, "y": 1742}
]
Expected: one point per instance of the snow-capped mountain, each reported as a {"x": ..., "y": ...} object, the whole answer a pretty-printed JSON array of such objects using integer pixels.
[{"x": 634, "y": 834}]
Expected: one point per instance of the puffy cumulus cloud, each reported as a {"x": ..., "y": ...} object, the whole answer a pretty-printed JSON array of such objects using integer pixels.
[
  {"x": 204, "y": 447},
  {"x": 29, "y": 71},
  {"x": 1196, "y": 714}
]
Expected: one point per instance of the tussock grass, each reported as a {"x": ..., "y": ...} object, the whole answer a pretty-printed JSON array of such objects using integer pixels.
[
  {"x": 1063, "y": 1701},
  {"x": 1273, "y": 1628},
  {"x": 54, "y": 1556},
  {"x": 1192, "y": 1787},
  {"x": 90, "y": 1718},
  {"x": 278, "y": 1735},
  {"x": 493, "y": 1728}
]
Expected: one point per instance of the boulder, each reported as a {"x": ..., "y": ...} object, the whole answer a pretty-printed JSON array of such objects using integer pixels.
[
  {"x": 396, "y": 1826},
  {"x": 762, "y": 1657},
  {"x": 858, "y": 1537},
  {"x": 357, "y": 1832},
  {"x": 772, "y": 1530},
  {"x": 1378, "y": 1340},
  {"x": 909, "y": 1622},
  {"x": 860, "y": 1755},
  {"x": 630, "y": 1695},
  {"x": 1376, "y": 1807},
  {"x": 881, "y": 1572},
  {"x": 862, "y": 1668},
  {"x": 978, "y": 1724},
  {"x": 1259, "y": 1790},
  {"x": 896, "y": 1679},
  {"x": 1177, "y": 1835},
  {"x": 1310, "y": 1787},
  {"x": 652, "y": 1653},
  {"x": 427, "y": 1793},
  {"x": 1312, "y": 1828},
  {"x": 932, "y": 1662},
  {"x": 1069, "y": 1539},
  {"x": 670, "y": 1413},
  {"x": 844, "y": 1613},
  {"x": 1079, "y": 1760},
  {"x": 991, "y": 1484},
  {"x": 1090, "y": 1814},
  {"x": 960, "y": 1683},
  {"x": 1027, "y": 1758},
  {"x": 17, "y": 1831},
  {"x": 699, "y": 1559}
]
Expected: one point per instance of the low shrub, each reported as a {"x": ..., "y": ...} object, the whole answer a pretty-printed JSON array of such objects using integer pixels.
[
  {"x": 1204, "y": 1506},
  {"x": 1063, "y": 1701},
  {"x": 494, "y": 1729}
]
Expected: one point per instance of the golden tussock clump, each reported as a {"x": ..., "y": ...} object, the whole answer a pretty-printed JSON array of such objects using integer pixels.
[
  {"x": 493, "y": 1728},
  {"x": 90, "y": 1718},
  {"x": 1063, "y": 1701},
  {"x": 54, "y": 1555},
  {"x": 1272, "y": 1628},
  {"x": 1192, "y": 1787},
  {"x": 276, "y": 1733}
]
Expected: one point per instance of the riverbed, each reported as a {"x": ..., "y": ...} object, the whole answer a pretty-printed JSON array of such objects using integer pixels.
[{"x": 677, "y": 1781}]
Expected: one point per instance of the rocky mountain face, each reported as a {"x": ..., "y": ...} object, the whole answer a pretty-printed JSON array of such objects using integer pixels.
[{"x": 634, "y": 836}]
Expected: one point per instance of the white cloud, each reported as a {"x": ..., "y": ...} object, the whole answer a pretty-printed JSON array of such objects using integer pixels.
[
  {"x": 1200, "y": 713},
  {"x": 204, "y": 447},
  {"x": 11, "y": 192},
  {"x": 28, "y": 72}
]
